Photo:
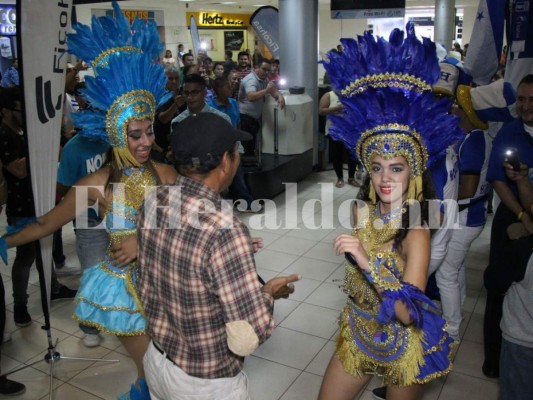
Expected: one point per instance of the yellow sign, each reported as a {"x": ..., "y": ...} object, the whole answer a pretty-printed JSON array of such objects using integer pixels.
[
  {"x": 131, "y": 14},
  {"x": 217, "y": 19}
]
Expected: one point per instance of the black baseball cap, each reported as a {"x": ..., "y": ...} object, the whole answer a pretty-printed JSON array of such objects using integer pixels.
[{"x": 199, "y": 137}]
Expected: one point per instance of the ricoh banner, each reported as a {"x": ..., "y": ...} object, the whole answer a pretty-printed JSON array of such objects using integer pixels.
[
  {"x": 42, "y": 27},
  {"x": 265, "y": 22}
]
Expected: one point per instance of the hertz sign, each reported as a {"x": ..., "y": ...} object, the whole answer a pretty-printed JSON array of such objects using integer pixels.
[
  {"x": 8, "y": 20},
  {"x": 216, "y": 19}
]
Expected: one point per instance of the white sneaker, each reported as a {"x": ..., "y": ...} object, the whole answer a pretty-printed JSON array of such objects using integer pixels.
[
  {"x": 68, "y": 271},
  {"x": 91, "y": 340}
]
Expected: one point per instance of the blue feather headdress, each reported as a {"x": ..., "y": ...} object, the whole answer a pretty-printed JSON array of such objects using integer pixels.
[
  {"x": 108, "y": 37},
  {"x": 130, "y": 88},
  {"x": 389, "y": 108},
  {"x": 128, "y": 84}
]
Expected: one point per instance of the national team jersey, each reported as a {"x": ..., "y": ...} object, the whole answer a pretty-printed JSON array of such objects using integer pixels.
[
  {"x": 474, "y": 154},
  {"x": 445, "y": 174},
  {"x": 80, "y": 157}
]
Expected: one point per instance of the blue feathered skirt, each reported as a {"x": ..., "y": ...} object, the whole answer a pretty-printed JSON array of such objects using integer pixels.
[
  {"x": 403, "y": 355},
  {"x": 107, "y": 300}
]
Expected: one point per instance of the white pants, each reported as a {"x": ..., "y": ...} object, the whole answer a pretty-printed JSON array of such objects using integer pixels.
[
  {"x": 451, "y": 276},
  {"x": 167, "y": 381}
]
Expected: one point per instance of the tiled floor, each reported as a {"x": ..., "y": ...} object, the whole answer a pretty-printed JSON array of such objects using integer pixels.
[{"x": 290, "y": 365}]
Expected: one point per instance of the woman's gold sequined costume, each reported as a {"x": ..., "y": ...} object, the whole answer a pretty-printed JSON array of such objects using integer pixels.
[{"x": 371, "y": 340}]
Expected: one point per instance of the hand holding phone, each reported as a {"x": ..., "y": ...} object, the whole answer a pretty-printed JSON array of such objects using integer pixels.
[{"x": 511, "y": 157}]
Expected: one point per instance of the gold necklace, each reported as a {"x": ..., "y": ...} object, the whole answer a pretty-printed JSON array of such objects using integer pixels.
[{"x": 378, "y": 230}]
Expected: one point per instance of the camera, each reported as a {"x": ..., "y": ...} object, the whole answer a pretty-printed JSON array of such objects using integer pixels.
[{"x": 511, "y": 157}]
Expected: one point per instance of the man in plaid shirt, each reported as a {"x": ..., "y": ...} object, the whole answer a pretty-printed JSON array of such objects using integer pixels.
[{"x": 204, "y": 305}]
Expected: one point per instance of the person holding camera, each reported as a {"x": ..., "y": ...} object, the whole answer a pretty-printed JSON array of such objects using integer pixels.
[
  {"x": 510, "y": 166},
  {"x": 252, "y": 93}
]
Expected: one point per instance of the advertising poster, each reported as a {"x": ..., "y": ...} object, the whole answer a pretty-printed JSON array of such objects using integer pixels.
[
  {"x": 208, "y": 41},
  {"x": 5, "y": 47},
  {"x": 233, "y": 40}
]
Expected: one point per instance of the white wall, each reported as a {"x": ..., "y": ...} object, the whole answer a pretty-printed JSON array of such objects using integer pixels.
[
  {"x": 330, "y": 32},
  {"x": 175, "y": 25},
  {"x": 469, "y": 17}
]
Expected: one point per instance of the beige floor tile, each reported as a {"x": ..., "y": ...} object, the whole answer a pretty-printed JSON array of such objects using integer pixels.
[
  {"x": 310, "y": 232},
  {"x": 27, "y": 343},
  {"x": 305, "y": 387},
  {"x": 328, "y": 295},
  {"x": 283, "y": 308},
  {"x": 290, "y": 348},
  {"x": 291, "y": 245},
  {"x": 320, "y": 362},
  {"x": 324, "y": 251},
  {"x": 474, "y": 330},
  {"x": 68, "y": 367},
  {"x": 37, "y": 384},
  {"x": 459, "y": 386},
  {"x": 268, "y": 380},
  {"x": 313, "y": 320},
  {"x": 311, "y": 268},
  {"x": 273, "y": 260},
  {"x": 469, "y": 360},
  {"x": 69, "y": 392},
  {"x": 107, "y": 380}
]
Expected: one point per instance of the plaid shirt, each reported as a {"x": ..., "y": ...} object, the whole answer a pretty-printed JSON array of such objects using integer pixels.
[{"x": 193, "y": 281}]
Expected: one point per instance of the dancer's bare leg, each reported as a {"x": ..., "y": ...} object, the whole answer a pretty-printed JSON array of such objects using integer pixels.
[
  {"x": 413, "y": 392},
  {"x": 136, "y": 346},
  {"x": 340, "y": 385}
]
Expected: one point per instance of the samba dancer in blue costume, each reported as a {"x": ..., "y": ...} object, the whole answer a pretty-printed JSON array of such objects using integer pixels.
[
  {"x": 125, "y": 92},
  {"x": 396, "y": 129}
]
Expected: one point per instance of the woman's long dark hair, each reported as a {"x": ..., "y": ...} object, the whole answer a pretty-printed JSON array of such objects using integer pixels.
[{"x": 428, "y": 191}]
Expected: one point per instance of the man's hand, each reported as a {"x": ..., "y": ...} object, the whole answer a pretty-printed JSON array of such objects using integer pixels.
[
  {"x": 126, "y": 251},
  {"x": 271, "y": 87},
  {"x": 516, "y": 175},
  {"x": 281, "y": 101},
  {"x": 281, "y": 286},
  {"x": 257, "y": 242}
]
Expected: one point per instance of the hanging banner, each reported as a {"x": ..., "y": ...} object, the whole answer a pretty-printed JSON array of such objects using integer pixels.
[
  {"x": 265, "y": 22},
  {"x": 43, "y": 66},
  {"x": 195, "y": 38}
]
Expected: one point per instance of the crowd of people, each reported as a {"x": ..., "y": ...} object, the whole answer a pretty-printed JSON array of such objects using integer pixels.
[{"x": 179, "y": 287}]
